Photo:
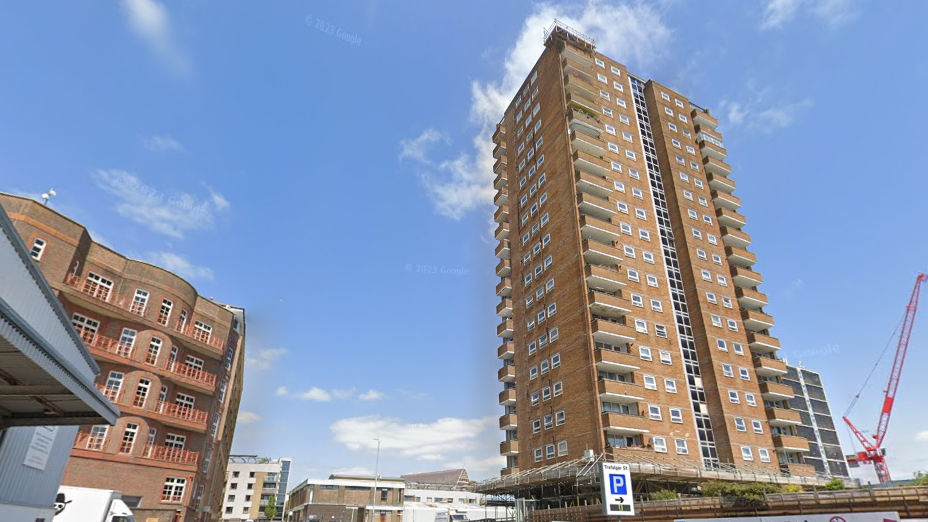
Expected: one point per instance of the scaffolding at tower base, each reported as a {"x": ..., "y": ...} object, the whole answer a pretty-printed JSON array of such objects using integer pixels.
[{"x": 584, "y": 472}]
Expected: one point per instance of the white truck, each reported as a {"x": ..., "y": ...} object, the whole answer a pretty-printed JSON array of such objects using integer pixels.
[{"x": 90, "y": 505}]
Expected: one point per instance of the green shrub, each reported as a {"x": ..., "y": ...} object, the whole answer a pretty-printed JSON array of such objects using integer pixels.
[
  {"x": 834, "y": 484},
  {"x": 744, "y": 492},
  {"x": 792, "y": 488},
  {"x": 663, "y": 495},
  {"x": 921, "y": 479}
]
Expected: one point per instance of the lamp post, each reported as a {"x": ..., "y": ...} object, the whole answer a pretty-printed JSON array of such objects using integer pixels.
[{"x": 376, "y": 472}]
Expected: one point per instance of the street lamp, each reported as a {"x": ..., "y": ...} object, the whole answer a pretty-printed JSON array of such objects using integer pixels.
[
  {"x": 376, "y": 473},
  {"x": 47, "y": 195}
]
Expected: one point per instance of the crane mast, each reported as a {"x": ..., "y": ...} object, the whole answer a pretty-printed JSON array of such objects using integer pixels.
[{"x": 873, "y": 449}]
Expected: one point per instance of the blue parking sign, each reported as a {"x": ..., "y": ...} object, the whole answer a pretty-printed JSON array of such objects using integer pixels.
[{"x": 617, "y": 485}]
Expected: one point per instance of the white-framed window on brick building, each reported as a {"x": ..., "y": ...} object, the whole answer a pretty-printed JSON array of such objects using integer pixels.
[
  {"x": 185, "y": 401},
  {"x": 113, "y": 385},
  {"x": 154, "y": 349},
  {"x": 96, "y": 439},
  {"x": 202, "y": 331},
  {"x": 164, "y": 313},
  {"x": 175, "y": 441},
  {"x": 98, "y": 286},
  {"x": 139, "y": 302},
  {"x": 38, "y": 248},
  {"x": 173, "y": 490},
  {"x": 141, "y": 393},
  {"x": 150, "y": 443},
  {"x": 128, "y": 437},
  {"x": 126, "y": 342},
  {"x": 86, "y": 327}
]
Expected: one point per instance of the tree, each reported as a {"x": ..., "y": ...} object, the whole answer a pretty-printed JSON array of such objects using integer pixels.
[
  {"x": 920, "y": 479},
  {"x": 270, "y": 510}
]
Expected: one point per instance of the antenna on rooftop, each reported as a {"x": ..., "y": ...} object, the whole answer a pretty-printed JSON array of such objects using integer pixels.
[{"x": 48, "y": 195}]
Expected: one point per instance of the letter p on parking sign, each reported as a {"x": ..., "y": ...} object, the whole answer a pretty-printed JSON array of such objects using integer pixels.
[{"x": 618, "y": 498}]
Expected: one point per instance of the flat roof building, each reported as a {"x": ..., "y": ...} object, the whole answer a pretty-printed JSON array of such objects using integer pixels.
[
  {"x": 345, "y": 498},
  {"x": 252, "y": 483}
]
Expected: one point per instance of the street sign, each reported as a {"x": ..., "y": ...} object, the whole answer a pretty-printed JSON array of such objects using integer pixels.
[{"x": 616, "y": 479}]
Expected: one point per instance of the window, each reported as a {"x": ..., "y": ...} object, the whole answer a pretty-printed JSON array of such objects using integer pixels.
[
  {"x": 533, "y": 373},
  {"x": 739, "y": 348},
  {"x": 545, "y": 367},
  {"x": 637, "y": 194},
  {"x": 610, "y": 129},
  {"x": 723, "y": 281},
  {"x": 558, "y": 388},
  {"x": 560, "y": 418},
  {"x": 548, "y": 259},
  {"x": 675, "y": 143},
  {"x": 716, "y": 320},
  {"x": 745, "y": 374},
  {"x": 676, "y": 415},
  {"x": 668, "y": 111},
  {"x": 128, "y": 437},
  {"x": 629, "y": 252},
  {"x": 648, "y": 257},
  {"x": 555, "y": 360},
  {"x": 618, "y": 86},
  {"x": 722, "y": 345},
  {"x": 764, "y": 454},
  {"x": 641, "y": 325},
  {"x": 615, "y": 70},
  {"x": 746, "y": 453},
  {"x": 727, "y": 302},
  {"x": 660, "y": 444},
  {"x": 633, "y": 275},
  {"x": 612, "y": 147},
  {"x": 697, "y": 233},
  {"x": 727, "y": 370},
  {"x": 703, "y": 201},
  {"x": 549, "y": 421},
  {"x": 645, "y": 353},
  {"x": 670, "y": 385},
  {"x": 544, "y": 219},
  {"x": 549, "y": 451},
  {"x": 733, "y": 325},
  {"x": 656, "y": 305},
  {"x": 654, "y": 412},
  {"x": 624, "y": 119},
  {"x": 652, "y": 280},
  {"x": 627, "y": 136},
  {"x": 154, "y": 348},
  {"x": 623, "y": 207},
  {"x": 546, "y": 393},
  {"x": 607, "y": 112},
  {"x": 633, "y": 173},
  {"x": 538, "y": 455},
  {"x": 600, "y": 63},
  {"x": 707, "y": 220},
  {"x": 552, "y": 335},
  {"x": 681, "y": 446},
  {"x": 688, "y": 195},
  {"x": 665, "y": 357},
  {"x": 202, "y": 331},
  {"x": 98, "y": 286},
  {"x": 173, "y": 490},
  {"x": 692, "y": 214},
  {"x": 536, "y": 426},
  {"x": 644, "y": 234},
  {"x": 637, "y": 300},
  {"x": 603, "y": 94},
  {"x": 141, "y": 393},
  {"x": 38, "y": 247},
  {"x": 562, "y": 448},
  {"x": 757, "y": 426},
  {"x": 630, "y": 155},
  {"x": 549, "y": 285},
  {"x": 666, "y": 96},
  {"x": 696, "y": 181},
  {"x": 733, "y": 397},
  {"x": 711, "y": 298},
  {"x": 113, "y": 385},
  {"x": 706, "y": 275},
  {"x": 650, "y": 382},
  {"x": 626, "y": 228},
  {"x": 739, "y": 424},
  {"x": 165, "y": 312},
  {"x": 749, "y": 399}
]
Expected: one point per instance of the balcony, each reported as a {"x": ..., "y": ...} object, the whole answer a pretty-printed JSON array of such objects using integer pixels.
[
  {"x": 509, "y": 448},
  {"x": 502, "y": 231},
  {"x": 507, "y": 397},
  {"x": 607, "y": 278},
  {"x": 499, "y": 134},
  {"x": 502, "y": 197},
  {"x": 703, "y": 119},
  {"x": 740, "y": 257},
  {"x": 589, "y": 124},
  {"x": 113, "y": 350},
  {"x": 593, "y": 185},
  {"x": 592, "y": 164},
  {"x": 760, "y": 343},
  {"x": 502, "y": 250},
  {"x": 755, "y": 321},
  {"x": 588, "y": 144},
  {"x": 508, "y": 471},
  {"x": 499, "y": 150},
  {"x": 729, "y": 218},
  {"x": 703, "y": 132},
  {"x": 574, "y": 84},
  {"x": 502, "y": 214},
  {"x": 575, "y": 62},
  {"x": 750, "y": 299},
  {"x": 508, "y": 422},
  {"x": 735, "y": 238},
  {"x": 172, "y": 455},
  {"x": 615, "y": 361},
  {"x": 600, "y": 254},
  {"x": 503, "y": 268},
  {"x": 504, "y": 308},
  {"x": 612, "y": 332},
  {"x": 720, "y": 183},
  {"x": 769, "y": 367},
  {"x": 190, "y": 374},
  {"x": 598, "y": 230},
  {"x": 500, "y": 181},
  {"x": 774, "y": 391},
  {"x": 504, "y": 329},
  {"x": 179, "y": 416},
  {"x": 500, "y": 165},
  {"x": 745, "y": 278},
  {"x": 715, "y": 166},
  {"x": 798, "y": 470},
  {"x": 790, "y": 444},
  {"x": 596, "y": 207},
  {"x": 724, "y": 200},
  {"x": 712, "y": 150},
  {"x": 625, "y": 424},
  {"x": 507, "y": 373},
  {"x": 582, "y": 104},
  {"x": 782, "y": 417},
  {"x": 506, "y": 350},
  {"x": 606, "y": 305},
  {"x": 504, "y": 288},
  {"x": 619, "y": 392}
]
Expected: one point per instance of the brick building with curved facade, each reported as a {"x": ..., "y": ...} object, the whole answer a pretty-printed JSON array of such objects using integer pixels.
[{"x": 171, "y": 360}]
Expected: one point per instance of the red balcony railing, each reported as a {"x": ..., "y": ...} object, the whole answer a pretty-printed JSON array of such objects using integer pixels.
[
  {"x": 192, "y": 373},
  {"x": 90, "y": 442},
  {"x": 110, "y": 392},
  {"x": 181, "y": 412},
  {"x": 168, "y": 454},
  {"x": 102, "y": 293},
  {"x": 107, "y": 344}
]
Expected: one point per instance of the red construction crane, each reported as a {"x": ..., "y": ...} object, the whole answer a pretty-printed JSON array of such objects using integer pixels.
[{"x": 873, "y": 449}]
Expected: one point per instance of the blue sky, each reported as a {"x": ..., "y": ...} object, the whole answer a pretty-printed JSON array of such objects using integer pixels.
[{"x": 327, "y": 166}]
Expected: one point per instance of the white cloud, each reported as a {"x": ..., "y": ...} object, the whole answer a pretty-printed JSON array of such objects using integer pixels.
[
  {"x": 922, "y": 436},
  {"x": 315, "y": 394},
  {"x": 179, "y": 265},
  {"x": 162, "y": 143},
  {"x": 371, "y": 395},
  {"x": 246, "y": 417},
  {"x": 263, "y": 359},
  {"x": 282, "y": 391},
  {"x": 356, "y": 471},
  {"x": 417, "y": 440},
  {"x": 834, "y": 13},
  {"x": 478, "y": 465},
  {"x": 171, "y": 215},
  {"x": 631, "y": 33},
  {"x": 758, "y": 113},
  {"x": 150, "y": 22}
]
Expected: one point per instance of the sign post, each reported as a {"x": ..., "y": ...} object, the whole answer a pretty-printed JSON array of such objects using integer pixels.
[{"x": 616, "y": 480}]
